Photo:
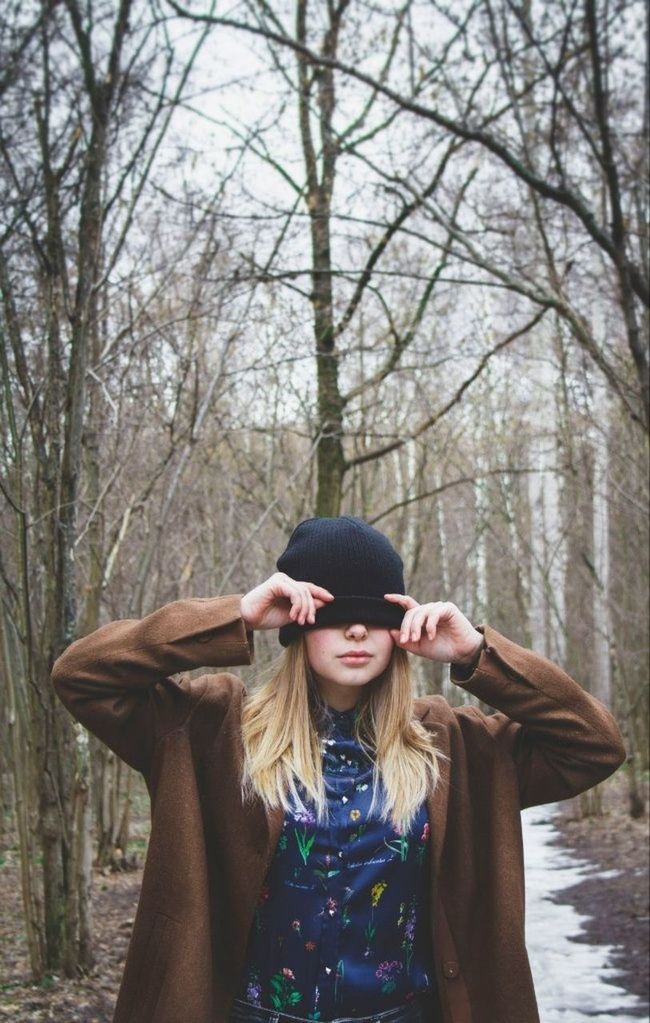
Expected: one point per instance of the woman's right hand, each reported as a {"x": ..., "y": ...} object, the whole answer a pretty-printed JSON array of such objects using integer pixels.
[{"x": 281, "y": 600}]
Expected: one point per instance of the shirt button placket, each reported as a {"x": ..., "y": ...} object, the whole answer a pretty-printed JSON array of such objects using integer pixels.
[
  {"x": 329, "y": 935},
  {"x": 328, "y": 945}
]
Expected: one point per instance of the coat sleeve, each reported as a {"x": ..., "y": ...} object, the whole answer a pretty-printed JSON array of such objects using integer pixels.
[
  {"x": 116, "y": 681},
  {"x": 562, "y": 739}
]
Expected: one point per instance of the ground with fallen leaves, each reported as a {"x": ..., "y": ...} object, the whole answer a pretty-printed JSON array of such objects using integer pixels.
[{"x": 618, "y": 917}]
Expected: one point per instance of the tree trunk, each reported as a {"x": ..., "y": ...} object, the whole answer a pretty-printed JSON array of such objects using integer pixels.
[
  {"x": 22, "y": 753},
  {"x": 66, "y": 781},
  {"x": 320, "y": 185},
  {"x": 447, "y": 687},
  {"x": 547, "y": 615}
]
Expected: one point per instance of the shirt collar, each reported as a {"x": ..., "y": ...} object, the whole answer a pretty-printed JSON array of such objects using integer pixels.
[{"x": 342, "y": 720}]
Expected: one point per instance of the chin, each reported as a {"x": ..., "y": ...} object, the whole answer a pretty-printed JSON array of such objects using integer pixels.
[{"x": 359, "y": 680}]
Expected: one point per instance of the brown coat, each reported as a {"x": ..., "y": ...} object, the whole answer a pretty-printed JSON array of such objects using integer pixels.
[{"x": 208, "y": 856}]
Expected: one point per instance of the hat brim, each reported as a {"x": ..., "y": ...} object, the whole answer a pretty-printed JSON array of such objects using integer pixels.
[{"x": 346, "y": 611}]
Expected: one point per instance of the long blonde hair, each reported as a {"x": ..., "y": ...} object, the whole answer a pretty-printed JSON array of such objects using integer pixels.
[{"x": 282, "y": 728}]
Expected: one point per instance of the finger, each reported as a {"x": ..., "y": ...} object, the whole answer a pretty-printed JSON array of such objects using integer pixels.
[
  {"x": 318, "y": 596},
  {"x": 311, "y": 607},
  {"x": 401, "y": 598},
  {"x": 417, "y": 621},
  {"x": 407, "y": 624},
  {"x": 403, "y": 644},
  {"x": 283, "y": 586},
  {"x": 431, "y": 623},
  {"x": 296, "y": 603},
  {"x": 304, "y": 605},
  {"x": 397, "y": 637},
  {"x": 320, "y": 592},
  {"x": 405, "y": 627},
  {"x": 303, "y": 610}
]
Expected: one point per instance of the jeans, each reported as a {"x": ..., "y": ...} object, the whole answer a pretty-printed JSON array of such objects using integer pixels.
[{"x": 420, "y": 1010}]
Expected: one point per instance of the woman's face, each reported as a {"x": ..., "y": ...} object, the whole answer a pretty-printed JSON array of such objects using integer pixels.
[{"x": 343, "y": 658}]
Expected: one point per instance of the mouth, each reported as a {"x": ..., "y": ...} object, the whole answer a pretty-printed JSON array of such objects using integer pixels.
[{"x": 355, "y": 657}]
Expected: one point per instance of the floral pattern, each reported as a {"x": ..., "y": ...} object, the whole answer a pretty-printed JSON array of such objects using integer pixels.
[
  {"x": 407, "y": 919},
  {"x": 376, "y": 893},
  {"x": 387, "y": 972},
  {"x": 284, "y": 995},
  {"x": 340, "y": 927}
]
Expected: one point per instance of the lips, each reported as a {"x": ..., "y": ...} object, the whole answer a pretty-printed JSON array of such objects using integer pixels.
[{"x": 355, "y": 656}]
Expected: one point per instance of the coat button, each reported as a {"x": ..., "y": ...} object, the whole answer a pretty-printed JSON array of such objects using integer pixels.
[{"x": 450, "y": 969}]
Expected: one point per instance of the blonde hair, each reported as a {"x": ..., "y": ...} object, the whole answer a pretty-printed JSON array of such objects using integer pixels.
[{"x": 282, "y": 726}]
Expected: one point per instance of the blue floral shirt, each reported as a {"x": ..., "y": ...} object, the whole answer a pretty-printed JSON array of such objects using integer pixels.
[{"x": 340, "y": 928}]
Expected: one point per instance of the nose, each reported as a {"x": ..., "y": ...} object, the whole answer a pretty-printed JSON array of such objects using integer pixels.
[{"x": 356, "y": 630}]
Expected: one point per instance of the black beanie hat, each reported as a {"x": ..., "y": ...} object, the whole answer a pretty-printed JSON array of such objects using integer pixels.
[{"x": 352, "y": 560}]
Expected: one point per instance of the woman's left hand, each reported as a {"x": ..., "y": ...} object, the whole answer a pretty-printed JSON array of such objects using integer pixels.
[{"x": 438, "y": 631}]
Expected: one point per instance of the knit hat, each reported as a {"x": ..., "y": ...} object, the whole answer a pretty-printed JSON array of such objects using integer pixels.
[{"x": 352, "y": 560}]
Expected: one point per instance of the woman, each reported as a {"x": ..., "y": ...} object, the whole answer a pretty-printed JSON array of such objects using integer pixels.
[{"x": 328, "y": 847}]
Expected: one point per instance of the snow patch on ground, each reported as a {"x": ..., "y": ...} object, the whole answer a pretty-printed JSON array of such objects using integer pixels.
[{"x": 569, "y": 976}]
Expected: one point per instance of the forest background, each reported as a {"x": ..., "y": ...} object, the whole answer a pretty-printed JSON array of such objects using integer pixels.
[{"x": 285, "y": 258}]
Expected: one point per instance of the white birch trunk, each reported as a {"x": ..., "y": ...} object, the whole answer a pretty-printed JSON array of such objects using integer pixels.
[
  {"x": 480, "y": 551},
  {"x": 547, "y": 613},
  {"x": 601, "y": 686},
  {"x": 405, "y": 475},
  {"x": 447, "y": 685}
]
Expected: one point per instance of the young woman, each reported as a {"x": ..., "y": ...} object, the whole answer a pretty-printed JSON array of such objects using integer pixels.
[{"x": 326, "y": 847}]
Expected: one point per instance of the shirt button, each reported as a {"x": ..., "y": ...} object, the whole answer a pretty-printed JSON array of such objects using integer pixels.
[{"x": 450, "y": 969}]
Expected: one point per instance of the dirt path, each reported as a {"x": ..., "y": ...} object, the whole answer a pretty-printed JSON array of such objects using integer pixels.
[{"x": 87, "y": 1000}]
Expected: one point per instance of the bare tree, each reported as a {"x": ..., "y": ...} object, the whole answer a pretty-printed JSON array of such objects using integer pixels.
[
  {"x": 76, "y": 159},
  {"x": 590, "y": 169}
]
